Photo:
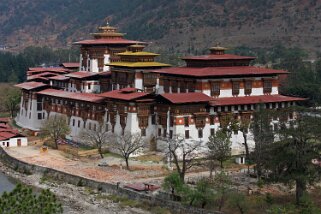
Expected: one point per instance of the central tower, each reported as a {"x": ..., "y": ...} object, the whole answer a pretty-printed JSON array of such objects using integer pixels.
[{"x": 102, "y": 49}]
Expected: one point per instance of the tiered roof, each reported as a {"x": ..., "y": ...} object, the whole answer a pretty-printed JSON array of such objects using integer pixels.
[
  {"x": 135, "y": 57},
  {"x": 107, "y": 35}
]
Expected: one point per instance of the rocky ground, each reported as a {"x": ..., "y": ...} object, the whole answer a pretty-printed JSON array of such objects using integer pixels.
[{"x": 75, "y": 200}]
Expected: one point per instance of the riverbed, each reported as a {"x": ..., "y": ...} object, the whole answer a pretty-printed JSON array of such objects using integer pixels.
[{"x": 6, "y": 184}]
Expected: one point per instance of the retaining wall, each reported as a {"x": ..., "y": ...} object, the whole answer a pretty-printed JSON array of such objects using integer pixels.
[{"x": 27, "y": 168}]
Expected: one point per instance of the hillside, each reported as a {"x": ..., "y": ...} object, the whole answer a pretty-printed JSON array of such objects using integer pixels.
[{"x": 174, "y": 26}]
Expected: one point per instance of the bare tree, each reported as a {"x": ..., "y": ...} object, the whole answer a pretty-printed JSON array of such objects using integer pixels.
[
  {"x": 55, "y": 128},
  {"x": 127, "y": 144},
  {"x": 184, "y": 153},
  {"x": 98, "y": 138},
  {"x": 219, "y": 147}
]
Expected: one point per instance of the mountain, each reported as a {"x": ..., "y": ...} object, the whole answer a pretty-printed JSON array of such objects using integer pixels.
[{"x": 173, "y": 26}]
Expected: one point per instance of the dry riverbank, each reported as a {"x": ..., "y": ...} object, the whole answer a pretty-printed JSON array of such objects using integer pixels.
[{"x": 75, "y": 200}]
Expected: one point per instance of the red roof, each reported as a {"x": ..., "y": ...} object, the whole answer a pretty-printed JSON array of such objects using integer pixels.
[
  {"x": 218, "y": 57},
  {"x": 71, "y": 64},
  {"x": 4, "y": 119},
  {"x": 181, "y": 98},
  {"x": 253, "y": 100},
  {"x": 41, "y": 75},
  {"x": 47, "y": 69},
  {"x": 30, "y": 85},
  {"x": 82, "y": 74},
  {"x": 124, "y": 94},
  {"x": 219, "y": 71},
  {"x": 5, "y": 135},
  {"x": 59, "y": 77},
  {"x": 71, "y": 95},
  {"x": 106, "y": 41},
  {"x": 105, "y": 73}
]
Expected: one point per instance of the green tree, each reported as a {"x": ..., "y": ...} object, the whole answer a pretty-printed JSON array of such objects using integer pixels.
[
  {"x": 11, "y": 99},
  {"x": 201, "y": 195},
  {"x": 23, "y": 200},
  {"x": 291, "y": 159},
  {"x": 263, "y": 136},
  {"x": 174, "y": 184},
  {"x": 239, "y": 201},
  {"x": 55, "y": 128},
  {"x": 219, "y": 147},
  {"x": 222, "y": 185}
]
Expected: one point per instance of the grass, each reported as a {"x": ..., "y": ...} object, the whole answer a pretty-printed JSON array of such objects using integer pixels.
[
  {"x": 113, "y": 155},
  {"x": 126, "y": 202},
  {"x": 152, "y": 158}
]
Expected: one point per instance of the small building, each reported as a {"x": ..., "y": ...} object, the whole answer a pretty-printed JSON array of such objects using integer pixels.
[{"x": 12, "y": 138}]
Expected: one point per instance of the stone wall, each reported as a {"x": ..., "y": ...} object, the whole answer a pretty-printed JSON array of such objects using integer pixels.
[{"x": 27, "y": 168}]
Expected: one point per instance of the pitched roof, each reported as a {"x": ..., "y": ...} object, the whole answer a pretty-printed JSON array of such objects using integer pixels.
[
  {"x": 41, "y": 75},
  {"x": 181, "y": 98},
  {"x": 32, "y": 70},
  {"x": 30, "y": 85},
  {"x": 82, "y": 74},
  {"x": 253, "y": 100},
  {"x": 107, "y": 41},
  {"x": 71, "y": 64},
  {"x": 88, "y": 97},
  {"x": 218, "y": 57},
  {"x": 59, "y": 77},
  {"x": 124, "y": 94},
  {"x": 219, "y": 71}
]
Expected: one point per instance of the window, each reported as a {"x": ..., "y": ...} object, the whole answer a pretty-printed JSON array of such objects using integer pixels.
[
  {"x": 235, "y": 88},
  {"x": 191, "y": 86},
  {"x": 200, "y": 133},
  {"x": 89, "y": 86},
  {"x": 267, "y": 86},
  {"x": 212, "y": 131},
  {"x": 248, "y": 87},
  {"x": 186, "y": 121},
  {"x": 216, "y": 88},
  {"x": 166, "y": 86},
  {"x": 186, "y": 134},
  {"x": 164, "y": 133},
  {"x": 159, "y": 132},
  {"x": 174, "y": 86},
  {"x": 89, "y": 126},
  {"x": 39, "y": 116},
  {"x": 171, "y": 134},
  {"x": 212, "y": 120},
  {"x": 182, "y": 86},
  {"x": 153, "y": 119},
  {"x": 73, "y": 122},
  {"x": 78, "y": 123},
  {"x": 143, "y": 132}
]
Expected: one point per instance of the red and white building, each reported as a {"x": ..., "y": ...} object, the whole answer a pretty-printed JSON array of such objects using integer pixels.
[{"x": 121, "y": 87}]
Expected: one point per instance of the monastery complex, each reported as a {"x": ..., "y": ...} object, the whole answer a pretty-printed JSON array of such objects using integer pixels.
[{"x": 120, "y": 87}]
